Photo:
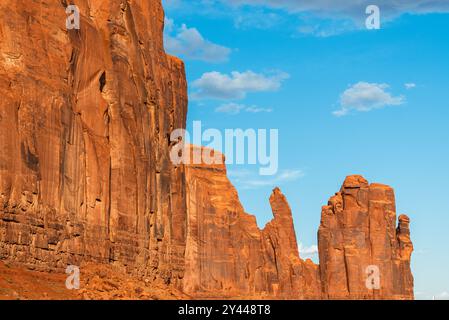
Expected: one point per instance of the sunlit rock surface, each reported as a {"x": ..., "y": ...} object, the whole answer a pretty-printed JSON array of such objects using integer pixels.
[{"x": 86, "y": 178}]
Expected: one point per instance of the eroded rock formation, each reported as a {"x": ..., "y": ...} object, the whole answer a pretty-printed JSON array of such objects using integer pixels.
[
  {"x": 86, "y": 179},
  {"x": 85, "y": 117},
  {"x": 358, "y": 244},
  {"x": 358, "y": 240},
  {"x": 227, "y": 254}
]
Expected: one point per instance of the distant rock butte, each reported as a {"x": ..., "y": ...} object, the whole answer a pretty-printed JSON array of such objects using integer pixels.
[
  {"x": 358, "y": 230},
  {"x": 86, "y": 178},
  {"x": 227, "y": 254}
]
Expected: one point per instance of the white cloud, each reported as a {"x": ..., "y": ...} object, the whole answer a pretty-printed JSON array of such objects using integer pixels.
[
  {"x": 254, "y": 109},
  {"x": 169, "y": 25},
  {"x": 324, "y": 27},
  {"x": 331, "y": 8},
  {"x": 237, "y": 85},
  {"x": 420, "y": 251},
  {"x": 442, "y": 296},
  {"x": 409, "y": 86},
  {"x": 330, "y": 18},
  {"x": 230, "y": 108},
  {"x": 321, "y": 18},
  {"x": 307, "y": 252},
  {"x": 349, "y": 8},
  {"x": 249, "y": 180},
  {"x": 235, "y": 108},
  {"x": 425, "y": 295},
  {"x": 364, "y": 97},
  {"x": 257, "y": 19},
  {"x": 190, "y": 44}
]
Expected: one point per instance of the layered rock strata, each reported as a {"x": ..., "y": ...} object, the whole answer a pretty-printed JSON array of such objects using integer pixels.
[
  {"x": 363, "y": 254},
  {"x": 228, "y": 254},
  {"x": 85, "y": 118},
  {"x": 86, "y": 177}
]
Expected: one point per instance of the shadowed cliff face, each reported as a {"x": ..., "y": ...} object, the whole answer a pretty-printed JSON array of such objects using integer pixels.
[
  {"x": 86, "y": 179},
  {"x": 84, "y": 122}
]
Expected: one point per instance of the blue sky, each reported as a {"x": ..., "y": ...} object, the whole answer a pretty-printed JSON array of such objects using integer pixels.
[{"x": 346, "y": 100}]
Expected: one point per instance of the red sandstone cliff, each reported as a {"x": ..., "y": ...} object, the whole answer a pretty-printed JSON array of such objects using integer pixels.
[
  {"x": 358, "y": 230},
  {"x": 85, "y": 117},
  {"x": 85, "y": 175},
  {"x": 227, "y": 254}
]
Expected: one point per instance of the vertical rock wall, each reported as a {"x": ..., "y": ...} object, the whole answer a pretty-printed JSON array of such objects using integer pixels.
[
  {"x": 84, "y": 122},
  {"x": 358, "y": 242},
  {"x": 227, "y": 254},
  {"x": 85, "y": 174}
]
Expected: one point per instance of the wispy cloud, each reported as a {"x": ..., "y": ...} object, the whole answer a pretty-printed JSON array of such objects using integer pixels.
[
  {"x": 321, "y": 18},
  {"x": 323, "y": 28},
  {"x": 425, "y": 295},
  {"x": 349, "y": 8},
  {"x": 409, "y": 86},
  {"x": 442, "y": 296},
  {"x": 254, "y": 109},
  {"x": 308, "y": 252},
  {"x": 234, "y": 86},
  {"x": 257, "y": 19},
  {"x": 188, "y": 43},
  {"x": 249, "y": 180},
  {"x": 364, "y": 97},
  {"x": 235, "y": 108},
  {"x": 230, "y": 108}
]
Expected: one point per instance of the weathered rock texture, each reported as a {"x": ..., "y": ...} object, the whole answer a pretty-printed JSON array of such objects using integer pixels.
[
  {"x": 86, "y": 179},
  {"x": 227, "y": 253},
  {"x": 358, "y": 231},
  {"x": 85, "y": 117}
]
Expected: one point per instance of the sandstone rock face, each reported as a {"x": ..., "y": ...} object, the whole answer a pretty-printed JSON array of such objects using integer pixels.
[
  {"x": 359, "y": 244},
  {"x": 86, "y": 178},
  {"x": 227, "y": 254},
  {"x": 85, "y": 117},
  {"x": 362, "y": 253}
]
